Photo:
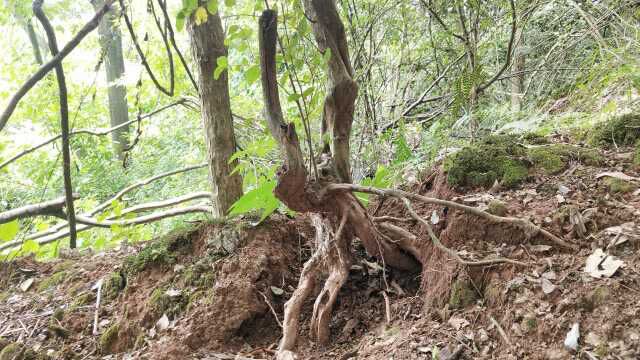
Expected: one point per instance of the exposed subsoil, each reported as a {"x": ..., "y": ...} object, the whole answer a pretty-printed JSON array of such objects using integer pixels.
[{"x": 218, "y": 293}]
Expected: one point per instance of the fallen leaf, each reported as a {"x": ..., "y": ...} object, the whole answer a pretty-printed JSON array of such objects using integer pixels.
[
  {"x": 617, "y": 175},
  {"x": 571, "y": 341},
  {"x": 25, "y": 285},
  {"x": 547, "y": 286},
  {"x": 458, "y": 322},
  {"x": 163, "y": 322},
  {"x": 599, "y": 264},
  {"x": 173, "y": 292},
  {"x": 435, "y": 219},
  {"x": 277, "y": 291}
]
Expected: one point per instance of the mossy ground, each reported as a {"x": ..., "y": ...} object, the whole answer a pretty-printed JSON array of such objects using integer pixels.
[
  {"x": 158, "y": 252},
  {"x": 504, "y": 158},
  {"x": 462, "y": 294},
  {"x": 619, "y": 130},
  {"x": 109, "y": 338},
  {"x": 53, "y": 280},
  {"x": 619, "y": 186}
]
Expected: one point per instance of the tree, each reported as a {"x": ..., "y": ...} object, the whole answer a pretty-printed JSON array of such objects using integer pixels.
[
  {"x": 111, "y": 44},
  {"x": 207, "y": 45}
]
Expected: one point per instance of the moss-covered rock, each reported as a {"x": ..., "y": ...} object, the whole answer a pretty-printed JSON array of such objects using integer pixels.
[
  {"x": 621, "y": 130},
  {"x": 4, "y": 343},
  {"x": 498, "y": 157},
  {"x": 551, "y": 159},
  {"x": 462, "y": 294},
  {"x": 619, "y": 186},
  {"x": 53, "y": 280},
  {"x": 109, "y": 339}
]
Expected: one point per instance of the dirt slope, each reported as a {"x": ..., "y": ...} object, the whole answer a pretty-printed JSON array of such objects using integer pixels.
[{"x": 215, "y": 292}]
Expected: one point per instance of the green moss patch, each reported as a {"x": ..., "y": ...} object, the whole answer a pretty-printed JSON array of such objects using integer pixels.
[
  {"x": 636, "y": 155},
  {"x": 109, "y": 339},
  {"x": 462, "y": 294},
  {"x": 621, "y": 130},
  {"x": 158, "y": 252},
  {"x": 16, "y": 351},
  {"x": 494, "y": 158},
  {"x": 505, "y": 159},
  {"x": 551, "y": 159},
  {"x": 113, "y": 284},
  {"x": 162, "y": 303},
  {"x": 53, "y": 280},
  {"x": 619, "y": 186}
]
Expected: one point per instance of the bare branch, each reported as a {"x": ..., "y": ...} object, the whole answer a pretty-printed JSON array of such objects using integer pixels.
[
  {"x": 64, "y": 121},
  {"x": 507, "y": 62},
  {"x": 95, "y": 132},
  {"x": 51, "y": 207},
  {"x": 57, "y": 59}
]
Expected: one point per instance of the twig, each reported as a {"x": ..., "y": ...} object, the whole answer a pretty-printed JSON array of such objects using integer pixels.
[
  {"x": 273, "y": 311},
  {"x": 97, "y": 286},
  {"x": 452, "y": 253},
  {"x": 529, "y": 228},
  {"x": 51, "y": 64},
  {"x": 387, "y": 306},
  {"x": 500, "y": 330}
]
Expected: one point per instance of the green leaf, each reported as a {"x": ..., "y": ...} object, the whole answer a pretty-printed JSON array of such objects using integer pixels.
[
  {"x": 9, "y": 230},
  {"x": 30, "y": 247},
  {"x": 222, "y": 66},
  {"x": 293, "y": 97},
  {"x": 212, "y": 6},
  {"x": 180, "y": 18},
  {"x": 252, "y": 74},
  {"x": 260, "y": 198},
  {"x": 229, "y": 3}
]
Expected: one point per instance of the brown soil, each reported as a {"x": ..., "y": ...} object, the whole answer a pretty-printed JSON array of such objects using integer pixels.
[{"x": 223, "y": 310}]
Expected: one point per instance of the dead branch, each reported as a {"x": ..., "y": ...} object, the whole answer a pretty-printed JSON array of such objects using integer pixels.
[
  {"x": 64, "y": 120},
  {"x": 94, "y": 132},
  {"x": 143, "y": 58},
  {"x": 528, "y": 227},
  {"x": 87, "y": 223},
  {"x": 51, "y": 64},
  {"x": 50, "y": 208},
  {"x": 55, "y": 229}
]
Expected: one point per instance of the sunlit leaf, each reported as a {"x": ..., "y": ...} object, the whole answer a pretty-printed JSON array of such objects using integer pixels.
[
  {"x": 252, "y": 74},
  {"x": 200, "y": 16},
  {"x": 9, "y": 230}
]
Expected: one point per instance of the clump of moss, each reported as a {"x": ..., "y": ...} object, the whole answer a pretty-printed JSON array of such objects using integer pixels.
[
  {"x": 114, "y": 283},
  {"x": 498, "y": 157},
  {"x": 160, "y": 251},
  {"x": 621, "y": 130},
  {"x": 636, "y": 155},
  {"x": 82, "y": 299},
  {"x": 497, "y": 207},
  {"x": 529, "y": 323},
  {"x": 462, "y": 294},
  {"x": 63, "y": 266},
  {"x": 551, "y": 159},
  {"x": 53, "y": 280},
  {"x": 16, "y": 351},
  {"x": 619, "y": 186},
  {"x": 4, "y": 343},
  {"x": 199, "y": 275},
  {"x": 108, "y": 339},
  {"x": 162, "y": 303}
]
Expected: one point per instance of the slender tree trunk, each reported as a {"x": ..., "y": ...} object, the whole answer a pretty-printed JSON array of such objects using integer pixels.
[
  {"x": 517, "y": 80},
  {"x": 111, "y": 44},
  {"x": 207, "y": 45},
  {"x": 33, "y": 39}
]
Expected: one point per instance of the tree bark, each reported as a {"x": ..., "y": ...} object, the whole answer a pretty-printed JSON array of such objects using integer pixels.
[
  {"x": 33, "y": 39},
  {"x": 111, "y": 45},
  {"x": 517, "y": 79},
  {"x": 207, "y": 45}
]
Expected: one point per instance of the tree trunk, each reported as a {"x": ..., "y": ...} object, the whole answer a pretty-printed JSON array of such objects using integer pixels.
[
  {"x": 33, "y": 39},
  {"x": 207, "y": 44},
  {"x": 111, "y": 44},
  {"x": 517, "y": 79}
]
